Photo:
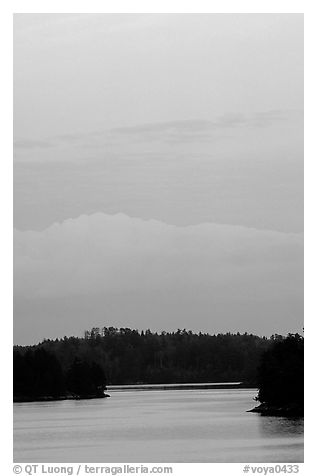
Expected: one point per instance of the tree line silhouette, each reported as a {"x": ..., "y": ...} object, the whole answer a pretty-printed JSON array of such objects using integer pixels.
[
  {"x": 280, "y": 377},
  {"x": 82, "y": 367},
  {"x": 38, "y": 374}
]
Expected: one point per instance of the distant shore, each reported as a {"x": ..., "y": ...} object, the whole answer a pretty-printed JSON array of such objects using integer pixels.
[
  {"x": 179, "y": 386},
  {"x": 135, "y": 387}
]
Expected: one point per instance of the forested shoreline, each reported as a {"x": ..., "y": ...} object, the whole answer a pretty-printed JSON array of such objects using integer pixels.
[
  {"x": 280, "y": 378},
  {"x": 74, "y": 367}
]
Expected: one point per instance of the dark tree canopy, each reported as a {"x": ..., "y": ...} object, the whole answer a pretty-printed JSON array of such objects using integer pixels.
[
  {"x": 281, "y": 373},
  {"x": 37, "y": 373},
  {"x": 85, "y": 379},
  {"x": 82, "y": 366}
]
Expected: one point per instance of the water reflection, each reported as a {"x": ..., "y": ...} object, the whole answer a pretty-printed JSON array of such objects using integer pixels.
[
  {"x": 155, "y": 426},
  {"x": 280, "y": 426}
]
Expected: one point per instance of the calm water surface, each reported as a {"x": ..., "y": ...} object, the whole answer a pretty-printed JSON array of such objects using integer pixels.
[{"x": 155, "y": 426}]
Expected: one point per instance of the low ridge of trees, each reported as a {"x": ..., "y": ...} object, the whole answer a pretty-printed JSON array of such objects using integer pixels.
[{"x": 82, "y": 366}]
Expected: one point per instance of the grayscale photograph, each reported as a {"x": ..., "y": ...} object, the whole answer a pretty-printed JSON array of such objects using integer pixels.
[{"x": 158, "y": 202}]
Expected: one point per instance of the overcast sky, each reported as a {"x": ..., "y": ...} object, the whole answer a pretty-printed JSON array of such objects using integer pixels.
[{"x": 158, "y": 172}]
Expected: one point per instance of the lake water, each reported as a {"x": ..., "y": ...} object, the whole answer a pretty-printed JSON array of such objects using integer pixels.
[{"x": 155, "y": 426}]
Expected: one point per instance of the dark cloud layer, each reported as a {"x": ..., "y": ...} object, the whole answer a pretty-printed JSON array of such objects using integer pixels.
[{"x": 170, "y": 131}]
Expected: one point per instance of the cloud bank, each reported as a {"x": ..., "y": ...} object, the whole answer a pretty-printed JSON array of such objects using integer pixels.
[{"x": 114, "y": 269}]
